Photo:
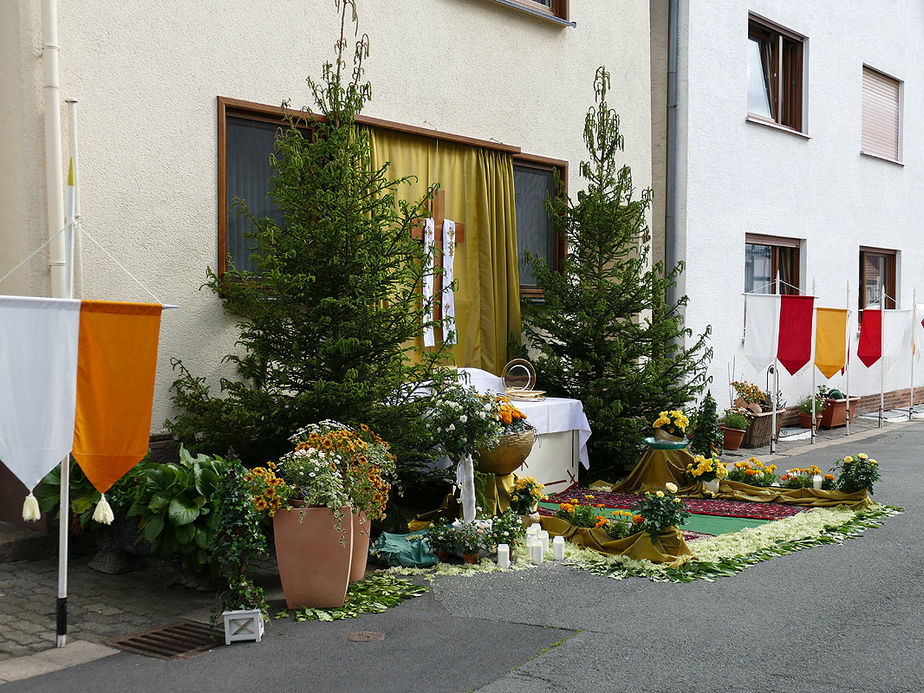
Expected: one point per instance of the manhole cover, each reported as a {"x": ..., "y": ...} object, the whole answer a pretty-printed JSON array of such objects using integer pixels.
[
  {"x": 172, "y": 642},
  {"x": 365, "y": 636}
]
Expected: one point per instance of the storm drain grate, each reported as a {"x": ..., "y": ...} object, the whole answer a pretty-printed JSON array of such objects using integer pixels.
[{"x": 175, "y": 641}]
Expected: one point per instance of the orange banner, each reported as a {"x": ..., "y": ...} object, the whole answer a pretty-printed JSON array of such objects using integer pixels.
[
  {"x": 830, "y": 340},
  {"x": 116, "y": 365}
]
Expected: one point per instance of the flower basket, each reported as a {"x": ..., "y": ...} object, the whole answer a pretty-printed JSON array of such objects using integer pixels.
[{"x": 508, "y": 455}]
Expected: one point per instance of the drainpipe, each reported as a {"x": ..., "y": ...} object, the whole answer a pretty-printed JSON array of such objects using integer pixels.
[
  {"x": 671, "y": 201},
  {"x": 54, "y": 176}
]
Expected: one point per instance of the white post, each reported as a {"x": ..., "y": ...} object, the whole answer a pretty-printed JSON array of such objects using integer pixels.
[
  {"x": 54, "y": 180},
  {"x": 776, "y": 377},
  {"x": 914, "y": 317},
  {"x": 812, "y": 428}
]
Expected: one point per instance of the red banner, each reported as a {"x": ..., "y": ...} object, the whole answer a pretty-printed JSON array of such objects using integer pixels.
[
  {"x": 795, "y": 345},
  {"x": 869, "y": 349}
]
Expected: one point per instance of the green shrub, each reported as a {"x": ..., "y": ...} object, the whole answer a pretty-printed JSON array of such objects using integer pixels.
[{"x": 736, "y": 420}]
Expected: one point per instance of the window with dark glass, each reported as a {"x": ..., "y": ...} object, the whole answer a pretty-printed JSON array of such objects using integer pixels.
[
  {"x": 775, "y": 69},
  {"x": 877, "y": 277},
  {"x": 765, "y": 258}
]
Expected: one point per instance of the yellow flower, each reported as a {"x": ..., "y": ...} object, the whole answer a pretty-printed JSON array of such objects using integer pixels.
[
  {"x": 660, "y": 494},
  {"x": 863, "y": 456},
  {"x": 848, "y": 459},
  {"x": 873, "y": 462}
]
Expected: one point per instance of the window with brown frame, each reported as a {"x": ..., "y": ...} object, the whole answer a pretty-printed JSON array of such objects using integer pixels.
[
  {"x": 775, "y": 70},
  {"x": 881, "y": 115},
  {"x": 556, "y": 10},
  {"x": 877, "y": 274},
  {"x": 767, "y": 256},
  {"x": 246, "y": 133}
]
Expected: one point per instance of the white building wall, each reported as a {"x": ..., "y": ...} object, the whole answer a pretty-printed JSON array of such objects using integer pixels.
[
  {"x": 147, "y": 75},
  {"x": 743, "y": 177}
]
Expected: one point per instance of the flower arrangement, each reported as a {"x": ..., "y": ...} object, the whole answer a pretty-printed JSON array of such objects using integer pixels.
[
  {"x": 512, "y": 419},
  {"x": 828, "y": 482},
  {"x": 857, "y": 473},
  {"x": 620, "y": 525},
  {"x": 800, "y": 478},
  {"x": 471, "y": 538},
  {"x": 464, "y": 421},
  {"x": 507, "y": 528},
  {"x": 362, "y": 458},
  {"x": 268, "y": 491},
  {"x": 526, "y": 493},
  {"x": 672, "y": 422},
  {"x": 706, "y": 469},
  {"x": 441, "y": 536},
  {"x": 749, "y": 392},
  {"x": 659, "y": 510},
  {"x": 582, "y": 514},
  {"x": 753, "y": 472}
]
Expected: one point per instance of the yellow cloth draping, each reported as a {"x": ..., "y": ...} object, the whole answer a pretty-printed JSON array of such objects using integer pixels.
[
  {"x": 830, "y": 340},
  {"x": 655, "y": 469},
  {"x": 734, "y": 490},
  {"x": 480, "y": 194},
  {"x": 116, "y": 364},
  {"x": 667, "y": 547},
  {"x": 494, "y": 490}
]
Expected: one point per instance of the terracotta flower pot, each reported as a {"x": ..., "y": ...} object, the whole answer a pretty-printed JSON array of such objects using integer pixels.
[
  {"x": 508, "y": 455},
  {"x": 313, "y": 557},
  {"x": 805, "y": 420},
  {"x": 442, "y": 554},
  {"x": 361, "y": 527},
  {"x": 733, "y": 437},
  {"x": 470, "y": 558}
]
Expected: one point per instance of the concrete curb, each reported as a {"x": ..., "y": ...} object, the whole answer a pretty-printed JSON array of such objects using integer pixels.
[{"x": 77, "y": 652}]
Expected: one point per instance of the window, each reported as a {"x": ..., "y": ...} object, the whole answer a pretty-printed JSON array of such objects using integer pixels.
[
  {"x": 881, "y": 115},
  {"x": 877, "y": 274},
  {"x": 774, "y": 74},
  {"x": 534, "y": 183},
  {"x": 555, "y": 10},
  {"x": 764, "y": 257}
]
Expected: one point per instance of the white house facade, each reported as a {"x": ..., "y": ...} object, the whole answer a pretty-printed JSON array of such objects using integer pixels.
[
  {"x": 155, "y": 80},
  {"x": 798, "y": 153}
]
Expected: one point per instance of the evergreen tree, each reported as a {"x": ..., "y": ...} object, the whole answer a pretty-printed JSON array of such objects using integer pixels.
[
  {"x": 327, "y": 323},
  {"x": 708, "y": 438},
  {"x": 605, "y": 334}
]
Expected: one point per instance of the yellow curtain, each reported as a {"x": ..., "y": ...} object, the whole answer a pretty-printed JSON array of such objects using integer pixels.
[{"x": 479, "y": 193}]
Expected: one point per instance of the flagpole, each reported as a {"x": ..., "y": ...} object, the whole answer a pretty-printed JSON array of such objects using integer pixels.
[
  {"x": 881, "y": 354},
  {"x": 847, "y": 357},
  {"x": 776, "y": 376},
  {"x": 914, "y": 319},
  {"x": 814, "y": 432}
]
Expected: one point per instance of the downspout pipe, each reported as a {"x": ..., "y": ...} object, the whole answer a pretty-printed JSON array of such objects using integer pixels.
[
  {"x": 671, "y": 199},
  {"x": 54, "y": 175}
]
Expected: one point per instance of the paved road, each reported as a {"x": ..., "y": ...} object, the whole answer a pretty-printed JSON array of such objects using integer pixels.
[{"x": 834, "y": 618}]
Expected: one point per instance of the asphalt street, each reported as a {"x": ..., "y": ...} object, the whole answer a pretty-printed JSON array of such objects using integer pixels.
[{"x": 834, "y": 618}]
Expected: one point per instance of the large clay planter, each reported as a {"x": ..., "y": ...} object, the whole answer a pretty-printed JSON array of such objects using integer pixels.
[
  {"x": 361, "y": 527},
  {"x": 835, "y": 414},
  {"x": 508, "y": 455},
  {"x": 313, "y": 557},
  {"x": 733, "y": 437},
  {"x": 805, "y": 420}
]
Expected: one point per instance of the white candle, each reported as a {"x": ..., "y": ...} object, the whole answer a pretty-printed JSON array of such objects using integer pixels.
[
  {"x": 535, "y": 552},
  {"x": 533, "y": 529},
  {"x": 558, "y": 548},
  {"x": 544, "y": 538},
  {"x": 503, "y": 555},
  {"x": 816, "y": 482}
]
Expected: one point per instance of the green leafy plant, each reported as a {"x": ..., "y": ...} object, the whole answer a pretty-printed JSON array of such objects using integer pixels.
[
  {"x": 660, "y": 510},
  {"x": 174, "y": 504},
  {"x": 238, "y": 539},
  {"x": 856, "y": 473},
  {"x": 805, "y": 404},
  {"x": 581, "y": 515},
  {"x": 328, "y": 322},
  {"x": 605, "y": 333},
  {"x": 708, "y": 438},
  {"x": 471, "y": 537},
  {"x": 441, "y": 536},
  {"x": 83, "y": 497},
  {"x": 736, "y": 420}
]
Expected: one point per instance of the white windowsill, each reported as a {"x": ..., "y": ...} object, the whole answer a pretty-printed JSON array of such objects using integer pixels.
[
  {"x": 882, "y": 158},
  {"x": 536, "y": 12},
  {"x": 776, "y": 126}
]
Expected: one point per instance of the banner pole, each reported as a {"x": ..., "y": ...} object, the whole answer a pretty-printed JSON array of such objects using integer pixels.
[
  {"x": 881, "y": 355},
  {"x": 914, "y": 320},
  {"x": 847, "y": 341},
  {"x": 814, "y": 390}
]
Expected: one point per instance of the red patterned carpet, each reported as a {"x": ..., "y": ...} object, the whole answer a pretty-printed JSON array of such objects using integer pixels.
[{"x": 700, "y": 506}]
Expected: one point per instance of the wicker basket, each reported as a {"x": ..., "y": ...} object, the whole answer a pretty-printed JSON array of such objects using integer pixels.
[{"x": 508, "y": 455}]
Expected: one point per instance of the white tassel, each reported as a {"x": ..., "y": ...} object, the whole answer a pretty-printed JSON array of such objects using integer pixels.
[
  {"x": 30, "y": 509},
  {"x": 103, "y": 513}
]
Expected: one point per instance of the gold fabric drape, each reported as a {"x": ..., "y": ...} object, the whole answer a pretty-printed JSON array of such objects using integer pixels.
[
  {"x": 667, "y": 547},
  {"x": 479, "y": 193}
]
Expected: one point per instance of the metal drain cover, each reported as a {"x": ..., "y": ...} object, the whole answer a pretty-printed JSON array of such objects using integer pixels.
[
  {"x": 175, "y": 641},
  {"x": 365, "y": 636}
]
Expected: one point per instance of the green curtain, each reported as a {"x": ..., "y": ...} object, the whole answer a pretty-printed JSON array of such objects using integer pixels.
[{"x": 478, "y": 184}]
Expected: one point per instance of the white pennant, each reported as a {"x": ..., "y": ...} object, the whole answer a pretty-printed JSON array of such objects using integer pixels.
[
  {"x": 448, "y": 298},
  {"x": 429, "y": 249}
]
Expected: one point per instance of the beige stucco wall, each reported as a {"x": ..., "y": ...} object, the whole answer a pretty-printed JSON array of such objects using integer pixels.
[{"x": 147, "y": 75}]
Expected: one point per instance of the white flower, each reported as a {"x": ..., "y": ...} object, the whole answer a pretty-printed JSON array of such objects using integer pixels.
[
  {"x": 659, "y": 494},
  {"x": 463, "y": 418},
  {"x": 452, "y": 427},
  {"x": 671, "y": 487}
]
